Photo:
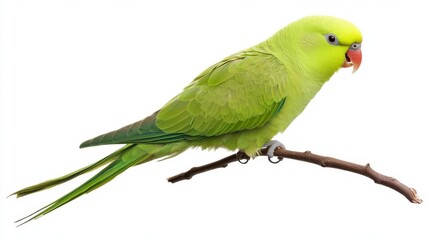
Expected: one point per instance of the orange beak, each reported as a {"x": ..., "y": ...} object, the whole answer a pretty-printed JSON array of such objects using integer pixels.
[{"x": 353, "y": 57}]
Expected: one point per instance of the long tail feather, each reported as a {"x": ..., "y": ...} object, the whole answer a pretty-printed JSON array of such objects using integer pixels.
[
  {"x": 121, "y": 160},
  {"x": 53, "y": 182}
]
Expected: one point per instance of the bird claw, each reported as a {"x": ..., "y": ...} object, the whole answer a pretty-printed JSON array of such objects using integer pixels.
[
  {"x": 271, "y": 147},
  {"x": 242, "y": 157},
  {"x": 279, "y": 159}
]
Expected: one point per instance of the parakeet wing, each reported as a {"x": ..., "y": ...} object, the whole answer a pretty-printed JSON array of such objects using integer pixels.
[{"x": 244, "y": 91}]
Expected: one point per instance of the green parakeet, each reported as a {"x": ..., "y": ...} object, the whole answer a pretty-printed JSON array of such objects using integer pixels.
[{"x": 240, "y": 102}]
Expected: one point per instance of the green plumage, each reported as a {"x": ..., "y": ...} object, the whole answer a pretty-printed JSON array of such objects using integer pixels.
[{"x": 239, "y": 103}]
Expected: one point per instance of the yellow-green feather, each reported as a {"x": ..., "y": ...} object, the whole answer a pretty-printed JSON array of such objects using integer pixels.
[{"x": 244, "y": 91}]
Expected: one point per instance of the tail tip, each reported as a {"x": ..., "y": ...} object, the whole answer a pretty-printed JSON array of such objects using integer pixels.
[{"x": 85, "y": 144}]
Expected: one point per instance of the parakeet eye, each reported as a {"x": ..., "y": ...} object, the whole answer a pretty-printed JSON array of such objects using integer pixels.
[
  {"x": 332, "y": 39},
  {"x": 355, "y": 46}
]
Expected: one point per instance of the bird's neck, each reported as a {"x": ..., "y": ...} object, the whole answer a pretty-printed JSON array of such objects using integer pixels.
[{"x": 286, "y": 46}]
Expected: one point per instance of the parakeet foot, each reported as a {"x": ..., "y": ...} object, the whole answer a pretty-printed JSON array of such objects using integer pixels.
[{"x": 272, "y": 146}]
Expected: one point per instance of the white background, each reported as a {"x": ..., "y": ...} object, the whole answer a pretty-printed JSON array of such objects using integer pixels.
[{"x": 74, "y": 69}]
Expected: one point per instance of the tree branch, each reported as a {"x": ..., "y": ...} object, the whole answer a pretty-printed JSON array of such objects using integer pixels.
[{"x": 307, "y": 156}]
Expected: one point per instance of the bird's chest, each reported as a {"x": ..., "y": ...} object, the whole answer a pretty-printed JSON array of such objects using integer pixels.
[{"x": 298, "y": 95}]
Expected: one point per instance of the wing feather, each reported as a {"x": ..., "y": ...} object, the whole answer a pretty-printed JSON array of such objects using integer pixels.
[{"x": 244, "y": 91}]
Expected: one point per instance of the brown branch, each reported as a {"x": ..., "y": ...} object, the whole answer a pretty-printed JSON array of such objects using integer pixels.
[{"x": 409, "y": 193}]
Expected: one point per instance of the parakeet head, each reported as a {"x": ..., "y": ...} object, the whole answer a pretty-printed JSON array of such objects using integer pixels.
[{"x": 322, "y": 44}]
